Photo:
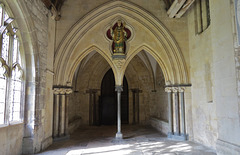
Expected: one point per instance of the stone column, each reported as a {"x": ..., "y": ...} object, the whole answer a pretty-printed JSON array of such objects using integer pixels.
[
  {"x": 60, "y": 112},
  {"x": 90, "y": 108},
  {"x": 61, "y": 115},
  {"x": 182, "y": 103},
  {"x": 137, "y": 106},
  {"x": 93, "y": 107},
  {"x": 119, "y": 89},
  {"x": 134, "y": 110},
  {"x": 177, "y": 109},
  {"x": 177, "y": 124},
  {"x": 55, "y": 114},
  {"x": 170, "y": 111},
  {"x": 68, "y": 91}
]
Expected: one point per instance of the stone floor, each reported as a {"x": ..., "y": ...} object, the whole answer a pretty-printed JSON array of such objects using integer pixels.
[{"x": 138, "y": 140}]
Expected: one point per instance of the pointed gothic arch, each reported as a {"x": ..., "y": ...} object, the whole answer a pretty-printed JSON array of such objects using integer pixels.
[{"x": 82, "y": 35}]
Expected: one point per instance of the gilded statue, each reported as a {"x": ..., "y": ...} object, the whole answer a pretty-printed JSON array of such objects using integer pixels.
[{"x": 119, "y": 36}]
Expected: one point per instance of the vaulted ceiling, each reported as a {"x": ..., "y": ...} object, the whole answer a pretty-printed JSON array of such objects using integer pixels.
[{"x": 175, "y": 8}]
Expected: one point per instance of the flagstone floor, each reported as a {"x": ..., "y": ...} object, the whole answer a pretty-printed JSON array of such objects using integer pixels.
[{"x": 138, "y": 140}]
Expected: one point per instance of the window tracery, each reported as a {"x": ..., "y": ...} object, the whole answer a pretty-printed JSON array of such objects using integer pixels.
[{"x": 11, "y": 72}]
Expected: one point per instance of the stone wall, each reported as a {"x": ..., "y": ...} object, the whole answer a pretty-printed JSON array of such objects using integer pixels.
[
  {"x": 38, "y": 14},
  {"x": 159, "y": 108},
  {"x": 11, "y": 139},
  {"x": 177, "y": 27},
  {"x": 225, "y": 64},
  {"x": 201, "y": 62},
  {"x": 32, "y": 21},
  {"x": 214, "y": 73}
]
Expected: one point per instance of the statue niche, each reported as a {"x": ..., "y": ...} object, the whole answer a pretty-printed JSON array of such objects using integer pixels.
[{"x": 119, "y": 34}]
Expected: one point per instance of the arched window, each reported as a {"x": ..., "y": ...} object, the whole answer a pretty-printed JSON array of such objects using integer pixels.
[{"x": 11, "y": 72}]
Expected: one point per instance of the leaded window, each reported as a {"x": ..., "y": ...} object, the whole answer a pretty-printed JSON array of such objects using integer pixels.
[{"x": 11, "y": 72}]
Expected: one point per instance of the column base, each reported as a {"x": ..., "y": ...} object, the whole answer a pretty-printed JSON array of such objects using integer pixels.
[
  {"x": 119, "y": 135},
  {"x": 61, "y": 138},
  {"x": 180, "y": 137}
]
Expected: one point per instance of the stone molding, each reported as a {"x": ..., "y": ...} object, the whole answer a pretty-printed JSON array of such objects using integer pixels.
[
  {"x": 181, "y": 89},
  {"x": 62, "y": 91},
  {"x": 168, "y": 89},
  {"x": 174, "y": 89}
]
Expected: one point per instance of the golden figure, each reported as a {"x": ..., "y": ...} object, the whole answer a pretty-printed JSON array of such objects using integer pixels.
[{"x": 119, "y": 36}]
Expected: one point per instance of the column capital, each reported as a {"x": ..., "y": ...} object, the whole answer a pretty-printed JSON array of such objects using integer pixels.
[
  {"x": 168, "y": 89},
  {"x": 175, "y": 89},
  {"x": 62, "y": 91},
  {"x": 119, "y": 88},
  {"x": 181, "y": 89}
]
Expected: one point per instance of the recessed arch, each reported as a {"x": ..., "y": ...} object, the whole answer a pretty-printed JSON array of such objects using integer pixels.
[
  {"x": 151, "y": 52},
  {"x": 75, "y": 64},
  {"x": 163, "y": 47}
]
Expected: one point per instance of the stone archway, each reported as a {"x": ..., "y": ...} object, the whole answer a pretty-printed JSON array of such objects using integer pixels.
[
  {"x": 159, "y": 43},
  {"x": 149, "y": 34}
]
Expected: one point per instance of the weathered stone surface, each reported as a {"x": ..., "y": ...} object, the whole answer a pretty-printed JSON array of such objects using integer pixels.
[{"x": 11, "y": 139}]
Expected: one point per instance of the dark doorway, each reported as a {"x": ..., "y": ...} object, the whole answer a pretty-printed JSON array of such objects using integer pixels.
[{"x": 108, "y": 101}]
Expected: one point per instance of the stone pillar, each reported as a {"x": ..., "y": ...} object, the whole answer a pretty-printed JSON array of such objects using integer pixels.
[
  {"x": 134, "y": 110},
  {"x": 170, "y": 111},
  {"x": 182, "y": 110},
  {"x": 60, "y": 112},
  {"x": 61, "y": 115},
  {"x": 55, "y": 114},
  {"x": 90, "y": 108},
  {"x": 137, "y": 106},
  {"x": 177, "y": 121},
  {"x": 68, "y": 91},
  {"x": 93, "y": 107},
  {"x": 119, "y": 89}
]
